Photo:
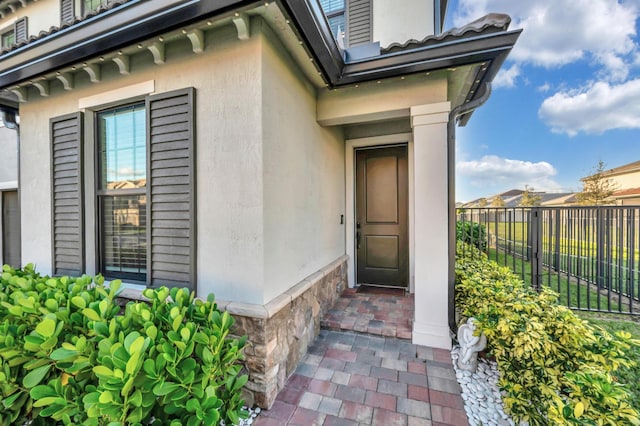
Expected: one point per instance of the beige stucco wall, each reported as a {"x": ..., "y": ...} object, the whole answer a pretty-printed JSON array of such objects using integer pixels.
[
  {"x": 627, "y": 180},
  {"x": 395, "y": 21},
  {"x": 303, "y": 176},
  {"x": 229, "y": 159}
]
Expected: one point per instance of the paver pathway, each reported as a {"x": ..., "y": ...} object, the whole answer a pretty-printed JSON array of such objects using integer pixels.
[
  {"x": 379, "y": 311},
  {"x": 348, "y": 378}
]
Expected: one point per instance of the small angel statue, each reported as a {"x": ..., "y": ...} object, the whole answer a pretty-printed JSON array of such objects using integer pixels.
[{"x": 470, "y": 345}]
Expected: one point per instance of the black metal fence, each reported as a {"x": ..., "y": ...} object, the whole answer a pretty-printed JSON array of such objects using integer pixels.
[{"x": 590, "y": 255}]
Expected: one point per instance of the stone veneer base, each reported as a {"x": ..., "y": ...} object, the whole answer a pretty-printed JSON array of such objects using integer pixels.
[{"x": 280, "y": 332}]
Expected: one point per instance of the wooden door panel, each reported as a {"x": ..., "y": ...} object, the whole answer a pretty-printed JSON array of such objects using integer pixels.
[
  {"x": 382, "y": 190},
  {"x": 382, "y": 247},
  {"x": 382, "y": 251}
]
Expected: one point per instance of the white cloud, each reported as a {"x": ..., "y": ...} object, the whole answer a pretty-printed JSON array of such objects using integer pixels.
[
  {"x": 594, "y": 109},
  {"x": 560, "y": 32},
  {"x": 507, "y": 77},
  {"x": 493, "y": 171},
  {"x": 544, "y": 88}
]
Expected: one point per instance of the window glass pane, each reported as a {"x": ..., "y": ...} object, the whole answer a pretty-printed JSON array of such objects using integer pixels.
[
  {"x": 337, "y": 25},
  {"x": 332, "y": 5},
  {"x": 90, "y": 5},
  {"x": 8, "y": 38},
  {"x": 124, "y": 237},
  {"x": 123, "y": 148}
]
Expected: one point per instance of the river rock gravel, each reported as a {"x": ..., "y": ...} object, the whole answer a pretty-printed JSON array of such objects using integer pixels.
[{"x": 481, "y": 394}]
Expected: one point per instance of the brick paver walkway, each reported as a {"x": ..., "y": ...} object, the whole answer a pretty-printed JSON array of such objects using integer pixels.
[
  {"x": 348, "y": 378},
  {"x": 379, "y": 311}
]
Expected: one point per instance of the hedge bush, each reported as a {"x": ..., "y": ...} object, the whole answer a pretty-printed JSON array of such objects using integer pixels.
[
  {"x": 69, "y": 355},
  {"x": 472, "y": 233},
  {"x": 555, "y": 368}
]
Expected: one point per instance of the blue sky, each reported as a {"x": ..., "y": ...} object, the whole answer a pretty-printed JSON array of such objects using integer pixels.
[{"x": 567, "y": 97}]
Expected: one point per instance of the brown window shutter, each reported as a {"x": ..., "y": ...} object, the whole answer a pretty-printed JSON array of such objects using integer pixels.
[
  {"x": 171, "y": 189},
  {"x": 20, "y": 29},
  {"x": 67, "y": 11},
  {"x": 67, "y": 195},
  {"x": 359, "y": 17}
]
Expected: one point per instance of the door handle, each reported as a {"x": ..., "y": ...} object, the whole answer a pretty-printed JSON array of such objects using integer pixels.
[{"x": 358, "y": 236}]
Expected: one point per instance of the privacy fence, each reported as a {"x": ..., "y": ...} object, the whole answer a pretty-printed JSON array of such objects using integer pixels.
[{"x": 590, "y": 255}]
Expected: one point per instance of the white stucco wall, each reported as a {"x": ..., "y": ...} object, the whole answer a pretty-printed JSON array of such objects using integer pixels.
[
  {"x": 9, "y": 150},
  {"x": 303, "y": 177},
  {"x": 395, "y": 21}
]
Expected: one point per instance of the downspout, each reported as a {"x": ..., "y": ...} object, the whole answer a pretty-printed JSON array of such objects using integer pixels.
[{"x": 458, "y": 111}]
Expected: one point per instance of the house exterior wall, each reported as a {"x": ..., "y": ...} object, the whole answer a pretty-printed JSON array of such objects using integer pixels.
[
  {"x": 303, "y": 176},
  {"x": 270, "y": 179},
  {"x": 626, "y": 180},
  {"x": 413, "y": 20}
]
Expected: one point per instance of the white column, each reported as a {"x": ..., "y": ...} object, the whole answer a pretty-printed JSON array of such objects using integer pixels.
[{"x": 429, "y": 123}]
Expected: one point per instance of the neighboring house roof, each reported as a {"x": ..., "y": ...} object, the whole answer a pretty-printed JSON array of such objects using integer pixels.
[
  {"x": 620, "y": 170},
  {"x": 511, "y": 193},
  {"x": 625, "y": 193},
  {"x": 560, "y": 199},
  {"x": 127, "y": 22},
  {"x": 626, "y": 168}
]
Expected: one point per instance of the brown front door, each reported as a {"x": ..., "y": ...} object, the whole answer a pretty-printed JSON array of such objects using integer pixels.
[{"x": 382, "y": 243}]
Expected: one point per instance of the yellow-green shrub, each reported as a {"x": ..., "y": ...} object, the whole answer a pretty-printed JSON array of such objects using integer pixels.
[{"x": 555, "y": 368}]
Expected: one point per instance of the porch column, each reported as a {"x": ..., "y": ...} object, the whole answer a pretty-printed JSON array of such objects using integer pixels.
[{"x": 429, "y": 123}]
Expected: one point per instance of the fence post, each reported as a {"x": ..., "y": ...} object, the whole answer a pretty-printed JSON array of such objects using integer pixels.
[
  {"x": 599, "y": 247},
  {"x": 536, "y": 255},
  {"x": 556, "y": 256}
]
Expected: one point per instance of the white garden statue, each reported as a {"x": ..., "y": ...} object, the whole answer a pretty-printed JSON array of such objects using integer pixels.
[{"x": 470, "y": 345}]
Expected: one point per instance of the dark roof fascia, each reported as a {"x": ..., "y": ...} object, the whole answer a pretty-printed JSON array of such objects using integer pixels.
[
  {"x": 316, "y": 33},
  {"x": 492, "y": 48},
  {"x": 116, "y": 28}
]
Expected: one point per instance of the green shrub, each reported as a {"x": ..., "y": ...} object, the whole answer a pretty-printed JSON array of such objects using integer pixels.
[
  {"x": 554, "y": 367},
  {"x": 69, "y": 356},
  {"x": 472, "y": 233}
]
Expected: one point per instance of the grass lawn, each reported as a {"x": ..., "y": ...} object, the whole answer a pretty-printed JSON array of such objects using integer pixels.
[
  {"x": 571, "y": 294},
  {"x": 613, "y": 323}
]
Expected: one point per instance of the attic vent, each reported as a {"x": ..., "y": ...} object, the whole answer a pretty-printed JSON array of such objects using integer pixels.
[{"x": 359, "y": 18}]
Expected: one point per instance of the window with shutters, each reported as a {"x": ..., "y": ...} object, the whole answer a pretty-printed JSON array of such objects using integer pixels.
[
  {"x": 145, "y": 204},
  {"x": 122, "y": 193},
  {"x": 335, "y": 12}
]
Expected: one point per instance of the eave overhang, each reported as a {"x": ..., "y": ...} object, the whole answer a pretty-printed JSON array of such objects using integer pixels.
[{"x": 138, "y": 20}]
